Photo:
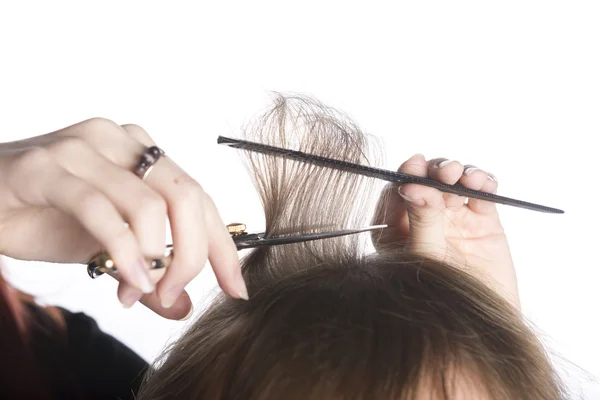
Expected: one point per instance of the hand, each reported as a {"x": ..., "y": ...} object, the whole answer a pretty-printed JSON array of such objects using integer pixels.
[
  {"x": 443, "y": 227},
  {"x": 68, "y": 195}
]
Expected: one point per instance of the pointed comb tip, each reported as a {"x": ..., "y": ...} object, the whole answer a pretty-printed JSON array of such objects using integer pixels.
[{"x": 225, "y": 140}]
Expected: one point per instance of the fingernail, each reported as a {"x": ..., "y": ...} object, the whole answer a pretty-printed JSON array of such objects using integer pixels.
[
  {"x": 188, "y": 314},
  {"x": 415, "y": 202},
  {"x": 243, "y": 291},
  {"x": 492, "y": 177},
  {"x": 142, "y": 277},
  {"x": 171, "y": 295},
  {"x": 130, "y": 298},
  {"x": 444, "y": 163},
  {"x": 244, "y": 295},
  {"x": 469, "y": 171}
]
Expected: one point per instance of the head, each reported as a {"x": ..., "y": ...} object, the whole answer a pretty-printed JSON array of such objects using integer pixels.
[{"x": 330, "y": 319}]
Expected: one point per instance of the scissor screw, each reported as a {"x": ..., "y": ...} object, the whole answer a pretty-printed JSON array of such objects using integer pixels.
[{"x": 236, "y": 229}]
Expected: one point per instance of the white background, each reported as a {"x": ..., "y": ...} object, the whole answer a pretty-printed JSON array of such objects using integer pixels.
[{"x": 511, "y": 86}]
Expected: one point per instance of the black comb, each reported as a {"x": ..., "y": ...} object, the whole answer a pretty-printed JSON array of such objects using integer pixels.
[{"x": 383, "y": 174}]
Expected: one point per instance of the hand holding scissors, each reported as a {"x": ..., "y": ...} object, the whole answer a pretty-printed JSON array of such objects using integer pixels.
[{"x": 99, "y": 186}]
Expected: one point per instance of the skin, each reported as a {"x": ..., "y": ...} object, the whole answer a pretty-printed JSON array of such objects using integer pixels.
[
  {"x": 463, "y": 384},
  {"x": 468, "y": 236},
  {"x": 68, "y": 195}
]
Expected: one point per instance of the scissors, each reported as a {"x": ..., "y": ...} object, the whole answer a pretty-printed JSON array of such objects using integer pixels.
[{"x": 102, "y": 263}]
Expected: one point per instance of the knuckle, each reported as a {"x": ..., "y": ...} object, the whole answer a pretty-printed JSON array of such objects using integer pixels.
[
  {"x": 121, "y": 235},
  {"x": 422, "y": 222},
  {"x": 192, "y": 261},
  {"x": 67, "y": 146},
  {"x": 135, "y": 129},
  {"x": 138, "y": 133},
  {"x": 208, "y": 201},
  {"x": 411, "y": 167},
  {"x": 190, "y": 192},
  {"x": 191, "y": 271},
  {"x": 36, "y": 155},
  {"x": 426, "y": 219},
  {"x": 151, "y": 204},
  {"x": 99, "y": 122},
  {"x": 102, "y": 128},
  {"x": 91, "y": 201},
  {"x": 110, "y": 139},
  {"x": 121, "y": 245},
  {"x": 33, "y": 159}
]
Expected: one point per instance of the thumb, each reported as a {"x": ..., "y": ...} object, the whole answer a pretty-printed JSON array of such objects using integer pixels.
[{"x": 425, "y": 207}]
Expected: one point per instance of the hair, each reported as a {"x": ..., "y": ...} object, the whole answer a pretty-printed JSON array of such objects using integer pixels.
[
  {"x": 330, "y": 320},
  {"x": 23, "y": 375}
]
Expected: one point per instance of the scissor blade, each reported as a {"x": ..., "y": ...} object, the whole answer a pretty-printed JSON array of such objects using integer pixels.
[
  {"x": 382, "y": 174},
  {"x": 258, "y": 241}
]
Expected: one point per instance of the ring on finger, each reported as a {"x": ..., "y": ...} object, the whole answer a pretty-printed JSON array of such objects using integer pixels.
[{"x": 147, "y": 160}]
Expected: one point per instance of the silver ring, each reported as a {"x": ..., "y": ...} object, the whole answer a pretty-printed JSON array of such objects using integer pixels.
[{"x": 147, "y": 161}]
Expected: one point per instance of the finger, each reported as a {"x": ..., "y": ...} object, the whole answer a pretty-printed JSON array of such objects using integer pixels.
[
  {"x": 128, "y": 295},
  {"x": 391, "y": 208},
  {"x": 449, "y": 172},
  {"x": 144, "y": 209},
  {"x": 139, "y": 134},
  {"x": 223, "y": 255},
  {"x": 190, "y": 237},
  {"x": 425, "y": 208},
  {"x": 391, "y": 211},
  {"x": 417, "y": 166},
  {"x": 181, "y": 309},
  {"x": 477, "y": 179},
  {"x": 50, "y": 185},
  {"x": 185, "y": 205}
]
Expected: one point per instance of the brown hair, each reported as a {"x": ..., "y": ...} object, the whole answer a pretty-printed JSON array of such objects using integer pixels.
[
  {"x": 22, "y": 375},
  {"x": 328, "y": 320}
]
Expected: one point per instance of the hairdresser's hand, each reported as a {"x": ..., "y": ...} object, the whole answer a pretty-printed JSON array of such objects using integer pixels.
[
  {"x": 442, "y": 226},
  {"x": 68, "y": 195}
]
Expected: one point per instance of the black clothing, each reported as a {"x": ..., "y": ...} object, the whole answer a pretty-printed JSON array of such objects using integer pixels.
[{"x": 83, "y": 362}]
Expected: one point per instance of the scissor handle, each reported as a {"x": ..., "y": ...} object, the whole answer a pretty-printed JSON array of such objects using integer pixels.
[{"x": 102, "y": 263}]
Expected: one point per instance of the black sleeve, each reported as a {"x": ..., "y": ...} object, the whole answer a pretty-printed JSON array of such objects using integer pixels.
[{"x": 103, "y": 367}]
